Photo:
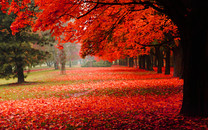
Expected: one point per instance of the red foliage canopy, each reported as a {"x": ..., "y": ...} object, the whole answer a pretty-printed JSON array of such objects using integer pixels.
[{"x": 110, "y": 31}]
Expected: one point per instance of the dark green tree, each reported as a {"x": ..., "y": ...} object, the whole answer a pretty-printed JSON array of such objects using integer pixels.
[{"x": 16, "y": 51}]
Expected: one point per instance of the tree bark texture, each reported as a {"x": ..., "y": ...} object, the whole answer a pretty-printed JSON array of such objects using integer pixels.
[
  {"x": 167, "y": 61},
  {"x": 70, "y": 62},
  {"x": 63, "y": 61},
  {"x": 195, "y": 51},
  {"x": 159, "y": 58},
  {"x": 63, "y": 68},
  {"x": 178, "y": 61},
  {"x": 131, "y": 62},
  {"x": 143, "y": 62},
  {"x": 149, "y": 63},
  {"x": 193, "y": 29},
  {"x": 140, "y": 61},
  {"x": 20, "y": 73}
]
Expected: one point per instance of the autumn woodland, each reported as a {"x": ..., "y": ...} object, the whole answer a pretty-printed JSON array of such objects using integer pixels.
[{"x": 103, "y": 64}]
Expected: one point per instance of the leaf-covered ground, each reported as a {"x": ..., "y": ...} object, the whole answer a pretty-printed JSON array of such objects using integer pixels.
[{"x": 93, "y": 98}]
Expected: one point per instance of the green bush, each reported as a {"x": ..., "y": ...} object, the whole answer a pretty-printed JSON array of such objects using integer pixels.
[{"x": 94, "y": 63}]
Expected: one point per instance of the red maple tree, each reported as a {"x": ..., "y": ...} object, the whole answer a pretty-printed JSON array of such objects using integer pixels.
[{"x": 108, "y": 24}]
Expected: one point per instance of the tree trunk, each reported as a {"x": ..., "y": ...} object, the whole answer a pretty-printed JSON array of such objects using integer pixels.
[
  {"x": 167, "y": 61},
  {"x": 126, "y": 61},
  {"x": 178, "y": 61},
  {"x": 143, "y": 62},
  {"x": 159, "y": 59},
  {"x": 149, "y": 63},
  {"x": 131, "y": 62},
  {"x": 20, "y": 74},
  {"x": 62, "y": 61},
  {"x": 140, "y": 61},
  {"x": 155, "y": 61},
  {"x": 70, "y": 63},
  {"x": 135, "y": 62},
  {"x": 63, "y": 68},
  {"x": 191, "y": 17},
  {"x": 194, "y": 34}
]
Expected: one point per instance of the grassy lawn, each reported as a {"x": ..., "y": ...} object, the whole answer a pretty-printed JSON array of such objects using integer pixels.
[
  {"x": 93, "y": 98},
  {"x": 37, "y": 85},
  {"x": 40, "y": 80}
]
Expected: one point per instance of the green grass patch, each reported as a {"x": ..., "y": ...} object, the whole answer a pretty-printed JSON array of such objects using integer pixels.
[
  {"x": 33, "y": 88},
  {"x": 19, "y": 94},
  {"x": 38, "y": 84},
  {"x": 31, "y": 77}
]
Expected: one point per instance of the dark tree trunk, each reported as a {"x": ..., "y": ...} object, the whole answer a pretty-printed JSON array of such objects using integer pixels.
[
  {"x": 149, "y": 62},
  {"x": 63, "y": 68},
  {"x": 131, "y": 62},
  {"x": 62, "y": 57},
  {"x": 135, "y": 62},
  {"x": 121, "y": 62},
  {"x": 191, "y": 17},
  {"x": 140, "y": 61},
  {"x": 178, "y": 61},
  {"x": 155, "y": 61},
  {"x": 194, "y": 32},
  {"x": 20, "y": 74},
  {"x": 159, "y": 58},
  {"x": 167, "y": 61},
  {"x": 126, "y": 61},
  {"x": 70, "y": 63},
  {"x": 143, "y": 62}
]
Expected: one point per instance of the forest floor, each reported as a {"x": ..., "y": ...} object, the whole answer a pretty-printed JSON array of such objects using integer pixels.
[{"x": 93, "y": 98}]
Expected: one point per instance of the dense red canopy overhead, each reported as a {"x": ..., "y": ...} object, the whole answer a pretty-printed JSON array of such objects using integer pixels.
[{"x": 108, "y": 31}]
